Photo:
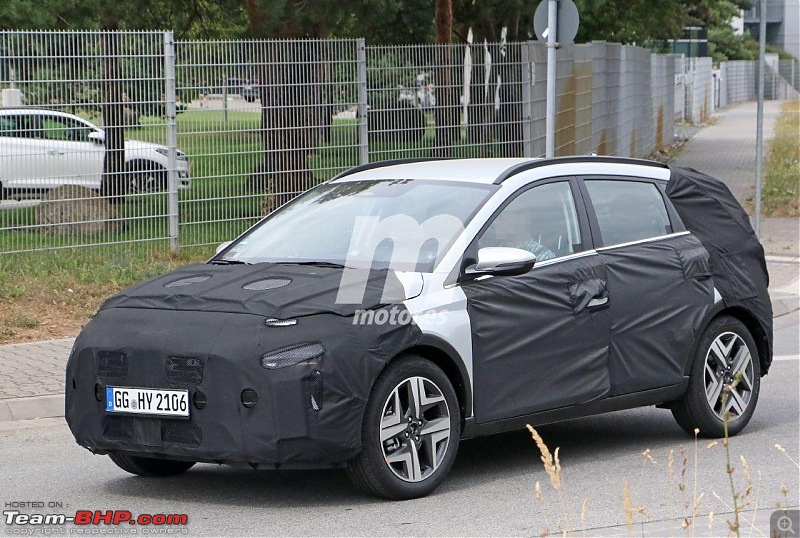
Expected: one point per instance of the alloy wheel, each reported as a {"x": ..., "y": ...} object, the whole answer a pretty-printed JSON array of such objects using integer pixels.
[
  {"x": 727, "y": 358},
  {"x": 415, "y": 429}
]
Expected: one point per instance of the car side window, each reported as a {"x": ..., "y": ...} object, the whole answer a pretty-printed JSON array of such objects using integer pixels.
[
  {"x": 65, "y": 129},
  {"x": 8, "y": 126},
  {"x": 541, "y": 220},
  {"x": 628, "y": 210}
]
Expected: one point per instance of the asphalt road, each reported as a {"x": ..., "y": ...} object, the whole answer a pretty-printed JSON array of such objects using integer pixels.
[{"x": 490, "y": 490}]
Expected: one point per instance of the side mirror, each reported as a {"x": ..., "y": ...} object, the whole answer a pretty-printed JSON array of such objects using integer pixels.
[
  {"x": 502, "y": 261},
  {"x": 222, "y": 246},
  {"x": 98, "y": 137}
]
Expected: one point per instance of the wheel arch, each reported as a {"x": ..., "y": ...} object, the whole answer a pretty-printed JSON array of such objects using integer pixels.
[
  {"x": 143, "y": 163},
  {"x": 443, "y": 355},
  {"x": 752, "y": 324}
]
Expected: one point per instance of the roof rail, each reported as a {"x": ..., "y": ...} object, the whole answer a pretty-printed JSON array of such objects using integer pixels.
[
  {"x": 522, "y": 167},
  {"x": 381, "y": 164}
]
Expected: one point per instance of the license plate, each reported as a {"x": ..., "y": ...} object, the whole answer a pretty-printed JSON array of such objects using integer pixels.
[{"x": 163, "y": 402}]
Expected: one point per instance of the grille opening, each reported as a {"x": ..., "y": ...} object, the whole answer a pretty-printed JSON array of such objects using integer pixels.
[
  {"x": 181, "y": 433},
  {"x": 111, "y": 365},
  {"x": 184, "y": 371}
]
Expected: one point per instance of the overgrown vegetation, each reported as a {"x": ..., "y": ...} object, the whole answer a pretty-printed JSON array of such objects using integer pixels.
[
  {"x": 781, "y": 195},
  {"x": 47, "y": 296},
  {"x": 681, "y": 482}
]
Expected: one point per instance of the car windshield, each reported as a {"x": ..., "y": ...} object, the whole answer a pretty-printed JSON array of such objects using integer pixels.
[{"x": 407, "y": 225}]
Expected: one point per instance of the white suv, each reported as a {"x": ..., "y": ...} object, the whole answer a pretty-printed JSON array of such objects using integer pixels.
[{"x": 42, "y": 149}]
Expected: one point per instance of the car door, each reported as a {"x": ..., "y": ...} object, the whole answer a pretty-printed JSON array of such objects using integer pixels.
[
  {"x": 72, "y": 157},
  {"x": 658, "y": 281},
  {"x": 24, "y": 164},
  {"x": 540, "y": 340}
]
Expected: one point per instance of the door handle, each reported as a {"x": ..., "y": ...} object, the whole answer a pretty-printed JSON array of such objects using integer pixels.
[{"x": 55, "y": 152}]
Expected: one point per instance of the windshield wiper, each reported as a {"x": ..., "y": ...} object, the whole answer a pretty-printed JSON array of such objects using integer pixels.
[
  {"x": 227, "y": 261},
  {"x": 315, "y": 264}
]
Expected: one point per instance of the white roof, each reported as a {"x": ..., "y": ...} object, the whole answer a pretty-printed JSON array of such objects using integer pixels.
[{"x": 475, "y": 170}]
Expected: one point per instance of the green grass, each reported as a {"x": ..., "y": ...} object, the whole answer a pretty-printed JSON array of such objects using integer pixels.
[
  {"x": 219, "y": 205},
  {"x": 781, "y": 195},
  {"x": 43, "y": 295}
]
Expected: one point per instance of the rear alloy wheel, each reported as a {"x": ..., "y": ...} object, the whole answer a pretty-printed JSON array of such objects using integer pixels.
[
  {"x": 411, "y": 431},
  {"x": 150, "y": 467},
  {"x": 726, "y": 353}
]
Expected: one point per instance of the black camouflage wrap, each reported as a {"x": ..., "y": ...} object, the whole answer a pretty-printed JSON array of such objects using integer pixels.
[
  {"x": 209, "y": 337},
  {"x": 710, "y": 211}
]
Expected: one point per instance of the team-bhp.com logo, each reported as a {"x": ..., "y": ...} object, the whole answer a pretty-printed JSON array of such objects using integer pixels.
[{"x": 88, "y": 521}]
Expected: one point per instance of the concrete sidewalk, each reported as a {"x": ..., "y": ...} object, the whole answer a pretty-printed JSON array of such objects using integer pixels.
[{"x": 33, "y": 374}]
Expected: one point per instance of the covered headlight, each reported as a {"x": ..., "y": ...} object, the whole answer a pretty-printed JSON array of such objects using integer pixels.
[{"x": 289, "y": 356}]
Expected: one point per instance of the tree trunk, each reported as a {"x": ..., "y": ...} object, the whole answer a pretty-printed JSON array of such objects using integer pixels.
[
  {"x": 295, "y": 118},
  {"x": 114, "y": 181},
  {"x": 447, "y": 112}
]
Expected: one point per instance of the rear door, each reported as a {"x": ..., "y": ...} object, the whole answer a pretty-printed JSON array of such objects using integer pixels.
[
  {"x": 658, "y": 281},
  {"x": 540, "y": 340},
  {"x": 23, "y": 152}
]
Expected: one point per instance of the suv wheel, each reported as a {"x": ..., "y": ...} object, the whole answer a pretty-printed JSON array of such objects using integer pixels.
[
  {"x": 145, "y": 177},
  {"x": 410, "y": 433},
  {"x": 726, "y": 351},
  {"x": 150, "y": 467}
]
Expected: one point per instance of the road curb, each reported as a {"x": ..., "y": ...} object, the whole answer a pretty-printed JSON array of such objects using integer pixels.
[
  {"x": 784, "y": 304},
  {"x": 32, "y": 407}
]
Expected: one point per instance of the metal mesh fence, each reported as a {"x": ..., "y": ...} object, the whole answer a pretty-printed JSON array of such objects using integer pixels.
[
  {"x": 263, "y": 122},
  {"x": 122, "y": 137},
  {"x": 445, "y": 100},
  {"x": 741, "y": 81},
  {"x": 84, "y": 117},
  {"x": 790, "y": 71}
]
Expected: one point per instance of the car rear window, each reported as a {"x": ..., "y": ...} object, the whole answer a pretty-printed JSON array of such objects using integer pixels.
[{"x": 628, "y": 210}]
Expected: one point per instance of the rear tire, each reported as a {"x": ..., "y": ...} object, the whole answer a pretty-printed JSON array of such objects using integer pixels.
[
  {"x": 410, "y": 433},
  {"x": 726, "y": 350},
  {"x": 150, "y": 467}
]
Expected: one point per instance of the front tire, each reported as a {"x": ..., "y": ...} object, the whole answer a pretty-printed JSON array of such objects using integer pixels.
[
  {"x": 726, "y": 351},
  {"x": 410, "y": 433},
  {"x": 150, "y": 467},
  {"x": 146, "y": 177}
]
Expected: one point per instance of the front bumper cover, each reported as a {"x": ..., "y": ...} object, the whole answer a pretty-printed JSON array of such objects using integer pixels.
[{"x": 307, "y": 415}]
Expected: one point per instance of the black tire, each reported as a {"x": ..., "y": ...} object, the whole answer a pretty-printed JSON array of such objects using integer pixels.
[
  {"x": 371, "y": 470},
  {"x": 145, "y": 177},
  {"x": 694, "y": 409},
  {"x": 150, "y": 467}
]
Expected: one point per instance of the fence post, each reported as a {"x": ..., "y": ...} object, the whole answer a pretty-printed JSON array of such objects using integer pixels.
[
  {"x": 363, "y": 132},
  {"x": 528, "y": 79},
  {"x": 172, "y": 138}
]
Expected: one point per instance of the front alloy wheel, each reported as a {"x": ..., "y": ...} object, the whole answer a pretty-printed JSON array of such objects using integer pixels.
[
  {"x": 415, "y": 429},
  {"x": 410, "y": 433}
]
